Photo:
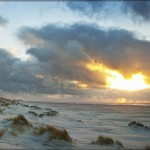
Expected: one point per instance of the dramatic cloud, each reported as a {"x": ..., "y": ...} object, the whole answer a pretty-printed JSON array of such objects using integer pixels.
[
  {"x": 60, "y": 56},
  {"x": 30, "y": 76},
  {"x": 88, "y": 8},
  {"x": 3, "y": 21},
  {"x": 65, "y": 51},
  {"x": 138, "y": 9},
  {"x": 15, "y": 75}
]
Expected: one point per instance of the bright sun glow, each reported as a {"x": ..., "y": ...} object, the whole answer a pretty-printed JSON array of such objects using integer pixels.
[
  {"x": 116, "y": 80},
  {"x": 121, "y": 100}
]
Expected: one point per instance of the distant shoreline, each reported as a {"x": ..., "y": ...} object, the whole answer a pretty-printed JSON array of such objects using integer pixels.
[
  {"x": 81, "y": 103},
  {"x": 88, "y": 103}
]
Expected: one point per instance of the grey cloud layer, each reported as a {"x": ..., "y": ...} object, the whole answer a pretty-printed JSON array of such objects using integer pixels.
[
  {"x": 15, "y": 75},
  {"x": 30, "y": 77},
  {"x": 3, "y": 21},
  {"x": 87, "y": 8},
  {"x": 66, "y": 50},
  {"x": 60, "y": 55},
  {"x": 137, "y": 10}
]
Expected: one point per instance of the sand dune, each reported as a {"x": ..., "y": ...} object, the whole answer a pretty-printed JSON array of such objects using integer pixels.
[{"x": 49, "y": 125}]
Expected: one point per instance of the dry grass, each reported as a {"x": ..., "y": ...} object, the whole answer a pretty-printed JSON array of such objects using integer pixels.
[
  {"x": 105, "y": 140},
  {"x": 25, "y": 105},
  {"x": 1, "y": 133},
  {"x": 34, "y": 113},
  {"x": 137, "y": 124},
  {"x": 147, "y": 147},
  {"x": 41, "y": 115},
  {"x": 20, "y": 123},
  {"x": 21, "y": 120},
  {"x": 14, "y": 133},
  {"x": 119, "y": 143},
  {"x": 1, "y": 110},
  {"x": 54, "y": 133},
  {"x": 51, "y": 113},
  {"x": 35, "y": 107}
]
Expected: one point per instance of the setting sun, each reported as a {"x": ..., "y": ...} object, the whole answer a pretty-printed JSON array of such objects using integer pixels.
[
  {"x": 116, "y": 80},
  {"x": 121, "y": 100},
  {"x": 135, "y": 83}
]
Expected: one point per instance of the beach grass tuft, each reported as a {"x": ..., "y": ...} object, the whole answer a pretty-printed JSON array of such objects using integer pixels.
[
  {"x": 20, "y": 123},
  {"x": 147, "y": 147},
  {"x": 21, "y": 120},
  {"x": 54, "y": 133},
  {"x": 1, "y": 133},
  {"x": 119, "y": 143},
  {"x": 105, "y": 140}
]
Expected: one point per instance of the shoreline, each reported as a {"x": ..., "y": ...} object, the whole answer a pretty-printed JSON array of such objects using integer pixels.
[{"x": 88, "y": 103}]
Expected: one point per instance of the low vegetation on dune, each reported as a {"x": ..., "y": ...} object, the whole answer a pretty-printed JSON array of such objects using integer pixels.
[
  {"x": 35, "y": 107},
  {"x": 25, "y": 105},
  {"x": 137, "y": 124},
  {"x": 7, "y": 102},
  {"x": 32, "y": 112},
  {"x": 2, "y": 99},
  {"x": 119, "y": 143},
  {"x": 41, "y": 115},
  {"x": 147, "y": 147},
  {"x": 49, "y": 113},
  {"x": 20, "y": 123},
  {"x": 102, "y": 140},
  {"x": 1, "y": 133},
  {"x": 53, "y": 133},
  {"x": 13, "y": 133},
  {"x": 1, "y": 110},
  {"x": 21, "y": 120},
  {"x": 105, "y": 140}
]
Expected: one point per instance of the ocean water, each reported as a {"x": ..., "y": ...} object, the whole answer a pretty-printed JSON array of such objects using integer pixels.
[{"x": 84, "y": 123}]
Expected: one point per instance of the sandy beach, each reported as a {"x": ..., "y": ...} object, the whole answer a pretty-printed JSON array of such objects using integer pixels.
[{"x": 84, "y": 123}]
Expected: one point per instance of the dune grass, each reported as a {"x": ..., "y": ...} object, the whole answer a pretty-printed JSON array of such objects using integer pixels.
[
  {"x": 119, "y": 143},
  {"x": 35, "y": 107},
  {"x": 102, "y": 140},
  {"x": 137, "y": 124},
  {"x": 21, "y": 120},
  {"x": 14, "y": 133},
  {"x": 105, "y": 140},
  {"x": 32, "y": 112},
  {"x": 41, "y": 115},
  {"x": 20, "y": 123},
  {"x": 51, "y": 113},
  {"x": 1, "y": 133},
  {"x": 25, "y": 105},
  {"x": 53, "y": 133},
  {"x": 147, "y": 147}
]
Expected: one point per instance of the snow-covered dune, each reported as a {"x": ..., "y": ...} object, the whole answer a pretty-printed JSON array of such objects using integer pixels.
[{"x": 71, "y": 126}]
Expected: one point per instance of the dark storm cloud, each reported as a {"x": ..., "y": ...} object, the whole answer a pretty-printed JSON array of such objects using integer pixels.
[
  {"x": 65, "y": 51},
  {"x": 30, "y": 77},
  {"x": 88, "y": 8},
  {"x": 17, "y": 75},
  {"x": 138, "y": 9},
  {"x": 3, "y": 21},
  {"x": 60, "y": 55}
]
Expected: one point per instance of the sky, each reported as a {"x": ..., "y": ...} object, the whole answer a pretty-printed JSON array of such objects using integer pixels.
[{"x": 75, "y": 51}]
